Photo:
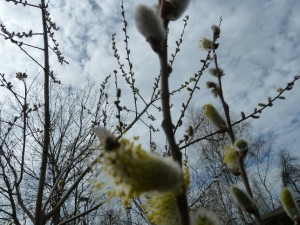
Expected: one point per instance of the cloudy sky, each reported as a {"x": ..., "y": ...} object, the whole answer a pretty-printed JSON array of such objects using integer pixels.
[{"x": 259, "y": 52}]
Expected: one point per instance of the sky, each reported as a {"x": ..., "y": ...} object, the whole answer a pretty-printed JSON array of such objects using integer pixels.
[{"x": 259, "y": 51}]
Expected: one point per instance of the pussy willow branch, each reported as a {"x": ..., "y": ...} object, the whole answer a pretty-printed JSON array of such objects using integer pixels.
[
  {"x": 131, "y": 73},
  {"x": 231, "y": 133},
  {"x": 179, "y": 41},
  {"x": 250, "y": 116},
  {"x": 19, "y": 45},
  {"x": 173, "y": 57},
  {"x": 197, "y": 77},
  {"x": 168, "y": 126},
  {"x": 25, "y": 3}
]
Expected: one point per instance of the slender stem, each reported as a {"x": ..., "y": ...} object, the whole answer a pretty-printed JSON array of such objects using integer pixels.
[
  {"x": 168, "y": 128},
  {"x": 231, "y": 134},
  {"x": 39, "y": 199}
]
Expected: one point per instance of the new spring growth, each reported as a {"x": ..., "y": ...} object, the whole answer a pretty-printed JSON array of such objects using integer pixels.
[
  {"x": 136, "y": 171},
  {"x": 290, "y": 206},
  {"x": 173, "y": 9},
  {"x": 150, "y": 25},
  {"x": 107, "y": 139},
  {"x": 243, "y": 199},
  {"x": 163, "y": 209},
  {"x": 216, "y": 31},
  {"x": 205, "y": 217},
  {"x": 207, "y": 45},
  {"x": 214, "y": 117},
  {"x": 231, "y": 159},
  {"x": 214, "y": 72},
  {"x": 215, "y": 89},
  {"x": 242, "y": 147}
]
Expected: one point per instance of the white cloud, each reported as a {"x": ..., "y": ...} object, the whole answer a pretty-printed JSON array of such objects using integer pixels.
[{"x": 259, "y": 50}]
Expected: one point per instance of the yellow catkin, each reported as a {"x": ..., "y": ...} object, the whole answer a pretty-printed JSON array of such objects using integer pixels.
[
  {"x": 243, "y": 199},
  {"x": 135, "y": 171},
  {"x": 213, "y": 116},
  {"x": 163, "y": 210},
  {"x": 186, "y": 175},
  {"x": 289, "y": 204},
  {"x": 231, "y": 158},
  {"x": 138, "y": 171},
  {"x": 206, "y": 44}
]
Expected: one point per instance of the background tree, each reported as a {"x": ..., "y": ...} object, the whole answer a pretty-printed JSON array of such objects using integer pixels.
[
  {"x": 45, "y": 139},
  {"x": 290, "y": 170}
]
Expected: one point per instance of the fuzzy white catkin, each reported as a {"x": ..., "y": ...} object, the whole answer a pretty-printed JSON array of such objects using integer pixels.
[
  {"x": 179, "y": 8},
  {"x": 149, "y": 24}
]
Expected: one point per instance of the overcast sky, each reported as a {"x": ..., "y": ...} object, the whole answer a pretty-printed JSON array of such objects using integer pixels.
[{"x": 259, "y": 52}]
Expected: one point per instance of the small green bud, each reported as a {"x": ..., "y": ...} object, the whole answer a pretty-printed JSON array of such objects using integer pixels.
[
  {"x": 289, "y": 204},
  {"x": 280, "y": 90},
  {"x": 243, "y": 199},
  {"x": 242, "y": 146},
  {"x": 190, "y": 131},
  {"x": 243, "y": 115},
  {"x": 61, "y": 182}
]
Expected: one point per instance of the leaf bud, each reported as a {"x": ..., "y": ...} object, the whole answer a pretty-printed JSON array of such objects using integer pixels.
[
  {"x": 216, "y": 31},
  {"x": 210, "y": 84},
  {"x": 216, "y": 72}
]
